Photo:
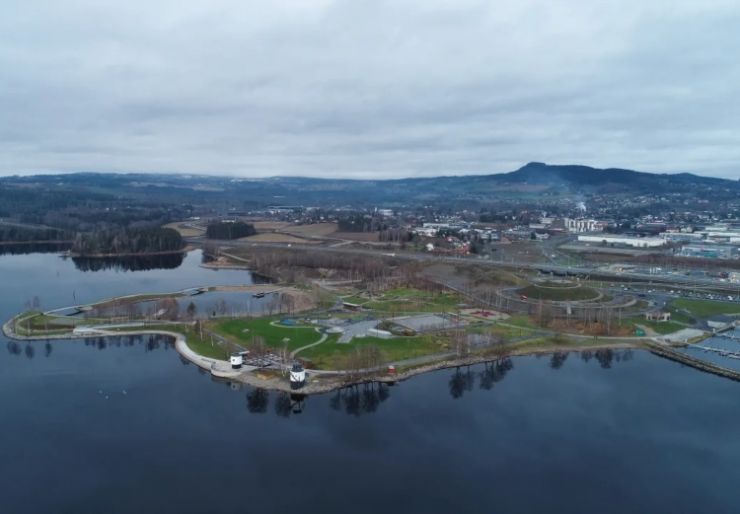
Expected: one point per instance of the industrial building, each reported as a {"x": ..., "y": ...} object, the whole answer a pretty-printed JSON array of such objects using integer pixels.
[{"x": 631, "y": 241}]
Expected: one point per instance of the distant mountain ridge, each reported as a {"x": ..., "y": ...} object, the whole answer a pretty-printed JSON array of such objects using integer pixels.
[
  {"x": 539, "y": 172},
  {"x": 530, "y": 181}
]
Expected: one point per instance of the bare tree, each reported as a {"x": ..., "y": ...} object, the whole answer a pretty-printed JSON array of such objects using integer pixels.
[
  {"x": 257, "y": 346},
  {"x": 191, "y": 310}
]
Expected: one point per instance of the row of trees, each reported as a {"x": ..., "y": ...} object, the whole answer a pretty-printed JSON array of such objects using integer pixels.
[
  {"x": 295, "y": 265},
  {"x": 128, "y": 241},
  {"x": 224, "y": 230},
  {"x": 17, "y": 234},
  {"x": 361, "y": 223}
]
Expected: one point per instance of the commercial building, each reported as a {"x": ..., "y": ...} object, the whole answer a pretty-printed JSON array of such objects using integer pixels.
[
  {"x": 634, "y": 242},
  {"x": 583, "y": 225}
]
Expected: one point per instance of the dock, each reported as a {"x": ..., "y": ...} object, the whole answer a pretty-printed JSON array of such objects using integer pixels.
[
  {"x": 719, "y": 351},
  {"x": 708, "y": 367},
  {"x": 725, "y": 335}
]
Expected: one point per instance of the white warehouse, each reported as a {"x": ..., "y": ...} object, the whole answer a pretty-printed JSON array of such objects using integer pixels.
[{"x": 635, "y": 242}]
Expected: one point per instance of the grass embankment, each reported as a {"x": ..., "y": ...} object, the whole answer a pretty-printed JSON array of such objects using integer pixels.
[
  {"x": 554, "y": 343},
  {"x": 243, "y": 330},
  {"x": 554, "y": 293},
  {"x": 205, "y": 346},
  {"x": 520, "y": 320},
  {"x": 332, "y": 355},
  {"x": 39, "y": 324},
  {"x": 659, "y": 327},
  {"x": 405, "y": 300},
  {"x": 705, "y": 308}
]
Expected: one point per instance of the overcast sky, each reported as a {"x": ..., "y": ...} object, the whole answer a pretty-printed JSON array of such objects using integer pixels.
[{"x": 368, "y": 88}]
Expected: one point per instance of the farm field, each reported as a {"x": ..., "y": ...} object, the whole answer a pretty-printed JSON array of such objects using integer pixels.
[{"x": 313, "y": 230}]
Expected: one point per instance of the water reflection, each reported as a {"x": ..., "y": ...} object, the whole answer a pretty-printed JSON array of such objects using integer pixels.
[
  {"x": 355, "y": 400},
  {"x": 463, "y": 380},
  {"x": 494, "y": 372},
  {"x": 28, "y": 248},
  {"x": 149, "y": 342},
  {"x": 558, "y": 359},
  {"x": 257, "y": 401},
  {"x": 130, "y": 263},
  {"x": 360, "y": 399}
]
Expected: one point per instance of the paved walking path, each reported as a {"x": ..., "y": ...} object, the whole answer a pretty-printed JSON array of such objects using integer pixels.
[{"x": 294, "y": 352}]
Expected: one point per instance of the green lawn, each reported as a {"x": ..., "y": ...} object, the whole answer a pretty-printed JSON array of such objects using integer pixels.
[
  {"x": 664, "y": 327},
  {"x": 508, "y": 332},
  {"x": 405, "y": 299},
  {"x": 659, "y": 327},
  {"x": 559, "y": 294},
  {"x": 706, "y": 308},
  {"x": 520, "y": 320},
  {"x": 681, "y": 317},
  {"x": 200, "y": 346},
  {"x": 331, "y": 355},
  {"x": 243, "y": 330}
]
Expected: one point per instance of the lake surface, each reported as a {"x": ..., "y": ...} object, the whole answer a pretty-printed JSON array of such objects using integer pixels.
[{"x": 122, "y": 425}]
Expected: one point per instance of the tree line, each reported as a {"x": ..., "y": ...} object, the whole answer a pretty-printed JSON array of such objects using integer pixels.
[
  {"x": 17, "y": 234},
  {"x": 224, "y": 230},
  {"x": 128, "y": 241},
  {"x": 359, "y": 222}
]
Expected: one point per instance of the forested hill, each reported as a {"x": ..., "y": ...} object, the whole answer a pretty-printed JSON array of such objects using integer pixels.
[{"x": 92, "y": 201}]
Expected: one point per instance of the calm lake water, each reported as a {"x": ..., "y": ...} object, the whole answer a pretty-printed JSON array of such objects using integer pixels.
[{"x": 123, "y": 425}]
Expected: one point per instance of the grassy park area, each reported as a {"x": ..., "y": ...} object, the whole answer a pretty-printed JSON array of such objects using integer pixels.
[
  {"x": 217, "y": 337},
  {"x": 243, "y": 330},
  {"x": 705, "y": 308},
  {"x": 558, "y": 292},
  {"x": 331, "y": 355},
  {"x": 406, "y": 299}
]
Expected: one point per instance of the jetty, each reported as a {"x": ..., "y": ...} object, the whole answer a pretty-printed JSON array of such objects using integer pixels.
[
  {"x": 726, "y": 335},
  {"x": 708, "y": 367},
  {"x": 719, "y": 351}
]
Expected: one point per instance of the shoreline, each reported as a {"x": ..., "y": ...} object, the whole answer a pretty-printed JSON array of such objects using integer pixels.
[
  {"x": 320, "y": 381},
  {"x": 75, "y": 255},
  {"x": 31, "y": 243}
]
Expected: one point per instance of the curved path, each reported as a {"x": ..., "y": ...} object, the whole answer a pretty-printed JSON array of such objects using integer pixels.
[{"x": 297, "y": 350}]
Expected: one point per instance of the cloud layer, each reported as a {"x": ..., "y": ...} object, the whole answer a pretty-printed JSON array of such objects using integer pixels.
[{"x": 368, "y": 88}]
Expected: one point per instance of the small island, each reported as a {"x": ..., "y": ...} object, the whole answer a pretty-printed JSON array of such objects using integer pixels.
[{"x": 127, "y": 241}]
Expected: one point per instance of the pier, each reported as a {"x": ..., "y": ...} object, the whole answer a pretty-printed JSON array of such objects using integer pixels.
[
  {"x": 720, "y": 351},
  {"x": 725, "y": 335},
  {"x": 708, "y": 367}
]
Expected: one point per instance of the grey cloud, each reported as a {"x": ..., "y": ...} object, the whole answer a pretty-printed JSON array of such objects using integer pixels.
[{"x": 360, "y": 88}]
